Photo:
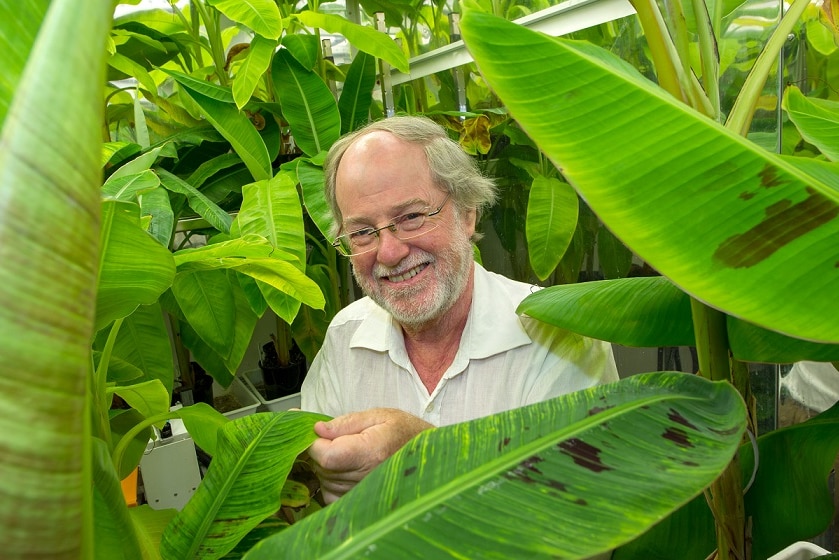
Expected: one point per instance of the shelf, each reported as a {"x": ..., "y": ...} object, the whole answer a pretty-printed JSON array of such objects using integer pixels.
[{"x": 561, "y": 19}]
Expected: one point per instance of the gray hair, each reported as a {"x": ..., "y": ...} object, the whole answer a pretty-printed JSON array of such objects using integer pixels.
[{"x": 452, "y": 169}]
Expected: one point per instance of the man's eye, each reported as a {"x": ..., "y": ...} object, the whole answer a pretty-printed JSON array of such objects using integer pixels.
[
  {"x": 359, "y": 233},
  {"x": 410, "y": 218}
]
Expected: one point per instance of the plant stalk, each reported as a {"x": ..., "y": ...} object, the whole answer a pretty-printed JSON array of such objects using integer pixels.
[{"x": 725, "y": 495}]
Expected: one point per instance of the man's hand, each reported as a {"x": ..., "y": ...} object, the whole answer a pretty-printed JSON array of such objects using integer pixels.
[{"x": 352, "y": 445}]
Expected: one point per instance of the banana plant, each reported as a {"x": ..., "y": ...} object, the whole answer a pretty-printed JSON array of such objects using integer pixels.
[{"x": 650, "y": 162}]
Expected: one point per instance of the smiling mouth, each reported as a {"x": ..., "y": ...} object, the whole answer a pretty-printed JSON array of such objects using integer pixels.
[{"x": 407, "y": 275}]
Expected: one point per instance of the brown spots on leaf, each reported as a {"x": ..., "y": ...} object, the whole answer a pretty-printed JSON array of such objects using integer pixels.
[
  {"x": 525, "y": 469},
  {"x": 330, "y": 525},
  {"x": 409, "y": 471},
  {"x": 598, "y": 410},
  {"x": 746, "y": 195},
  {"x": 779, "y": 228},
  {"x": 769, "y": 176},
  {"x": 727, "y": 432},
  {"x": 557, "y": 485},
  {"x": 585, "y": 455},
  {"x": 503, "y": 443},
  {"x": 677, "y": 436},
  {"x": 674, "y": 416},
  {"x": 580, "y": 502}
]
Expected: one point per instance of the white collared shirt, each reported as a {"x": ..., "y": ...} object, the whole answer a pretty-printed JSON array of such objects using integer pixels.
[{"x": 504, "y": 361}]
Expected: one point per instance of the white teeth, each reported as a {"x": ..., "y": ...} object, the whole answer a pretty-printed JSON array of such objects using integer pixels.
[{"x": 409, "y": 274}]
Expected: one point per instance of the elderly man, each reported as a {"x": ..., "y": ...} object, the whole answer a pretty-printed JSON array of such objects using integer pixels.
[{"x": 437, "y": 339}]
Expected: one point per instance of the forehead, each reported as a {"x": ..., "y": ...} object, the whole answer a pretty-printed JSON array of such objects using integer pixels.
[{"x": 381, "y": 176}]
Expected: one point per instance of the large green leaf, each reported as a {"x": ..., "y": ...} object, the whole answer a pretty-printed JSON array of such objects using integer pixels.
[
  {"x": 20, "y": 23},
  {"x": 307, "y": 104},
  {"x": 263, "y": 16},
  {"x": 310, "y": 176},
  {"x": 357, "y": 93},
  {"x": 753, "y": 344},
  {"x": 207, "y": 302},
  {"x": 257, "y": 61},
  {"x": 361, "y": 37},
  {"x": 50, "y": 173},
  {"x": 816, "y": 119},
  {"x": 134, "y": 269},
  {"x": 537, "y": 482},
  {"x": 143, "y": 342},
  {"x": 115, "y": 534},
  {"x": 789, "y": 500},
  {"x": 206, "y": 208},
  {"x": 552, "y": 212},
  {"x": 242, "y": 486},
  {"x": 649, "y": 166},
  {"x": 272, "y": 209},
  {"x": 643, "y": 312},
  {"x": 230, "y": 122}
]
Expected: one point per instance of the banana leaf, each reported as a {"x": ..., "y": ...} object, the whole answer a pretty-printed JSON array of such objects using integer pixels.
[
  {"x": 552, "y": 213},
  {"x": 20, "y": 26},
  {"x": 357, "y": 93},
  {"x": 50, "y": 173},
  {"x": 650, "y": 167},
  {"x": 788, "y": 501},
  {"x": 262, "y": 16},
  {"x": 570, "y": 478},
  {"x": 308, "y": 104},
  {"x": 242, "y": 486},
  {"x": 134, "y": 268},
  {"x": 641, "y": 312},
  {"x": 257, "y": 61},
  {"x": 816, "y": 119}
]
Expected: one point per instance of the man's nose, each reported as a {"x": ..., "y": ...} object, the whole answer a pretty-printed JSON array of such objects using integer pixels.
[{"x": 391, "y": 248}]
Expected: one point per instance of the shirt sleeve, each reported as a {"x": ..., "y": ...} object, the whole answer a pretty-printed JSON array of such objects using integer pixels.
[
  {"x": 567, "y": 362},
  {"x": 320, "y": 392}
]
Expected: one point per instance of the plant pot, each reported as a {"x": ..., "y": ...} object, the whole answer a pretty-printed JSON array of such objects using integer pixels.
[
  {"x": 281, "y": 381},
  {"x": 800, "y": 551},
  {"x": 235, "y": 401},
  {"x": 255, "y": 382}
]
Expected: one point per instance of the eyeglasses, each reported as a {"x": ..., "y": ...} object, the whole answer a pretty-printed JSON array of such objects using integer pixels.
[{"x": 404, "y": 227}]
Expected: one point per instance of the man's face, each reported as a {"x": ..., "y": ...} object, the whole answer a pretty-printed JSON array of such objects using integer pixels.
[{"x": 416, "y": 280}]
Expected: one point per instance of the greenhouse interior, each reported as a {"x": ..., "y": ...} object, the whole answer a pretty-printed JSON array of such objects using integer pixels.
[{"x": 419, "y": 279}]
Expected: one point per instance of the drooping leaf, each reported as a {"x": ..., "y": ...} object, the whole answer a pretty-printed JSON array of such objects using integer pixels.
[
  {"x": 231, "y": 123},
  {"x": 641, "y": 312},
  {"x": 272, "y": 209},
  {"x": 257, "y": 61},
  {"x": 307, "y": 103},
  {"x": 622, "y": 456},
  {"x": 614, "y": 258},
  {"x": 357, "y": 93},
  {"x": 143, "y": 342},
  {"x": 760, "y": 214},
  {"x": 243, "y": 484},
  {"x": 205, "y": 208},
  {"x": 134, "y": 269},
  {"x": 816, "y": 119},
  {"x": 750, "y": 343},
  {"x": 149, "y": 398},
  {"x": 206, "y": 301},
  {"x": 310, "y": 176},
  {"x": 115, "y": 535},
  {"x": 361, "y": 37},
  {"x": 203, "y": 423},
  {"x": 263, "y": 16},
  {"x": 552, "y": 212}
]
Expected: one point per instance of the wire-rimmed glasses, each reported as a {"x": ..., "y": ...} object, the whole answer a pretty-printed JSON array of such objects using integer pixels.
[{"x": 404, "y": 227}]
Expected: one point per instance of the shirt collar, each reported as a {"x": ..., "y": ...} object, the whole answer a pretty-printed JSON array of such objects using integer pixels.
[{"x": 493, "y": 325}]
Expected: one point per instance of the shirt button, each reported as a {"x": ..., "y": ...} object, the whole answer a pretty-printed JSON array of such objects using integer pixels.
[{"x": 430, "y": 407}]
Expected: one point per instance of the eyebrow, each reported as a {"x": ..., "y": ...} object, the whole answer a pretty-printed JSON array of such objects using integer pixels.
[{"x": 399, "y": 209}]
